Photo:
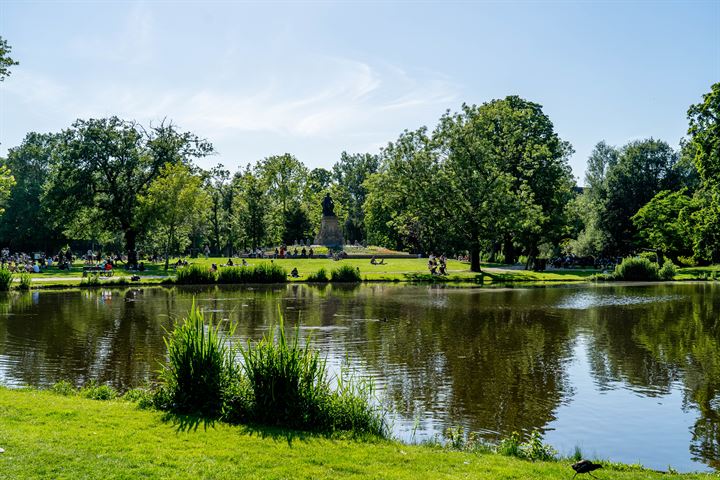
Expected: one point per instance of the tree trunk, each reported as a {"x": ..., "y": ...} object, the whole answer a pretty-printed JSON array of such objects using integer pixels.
[
  {"x": 130, "y": 243},
  {"x": 509, "y": 251},
  {"x": 475, "y": 257}
]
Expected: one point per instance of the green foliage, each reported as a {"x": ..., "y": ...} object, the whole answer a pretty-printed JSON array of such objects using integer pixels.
[
  {"x": 660, "y": 226},
  {"x": 94, "y": 391},
  {"x": 200, "y": 366},
  {"x": 345, "y": 273},
  {"x": 534, "y": 449},
  {"x": 704, "y": 131},
  {"x": 290, "y": 388},
  {"x": 636, "y": 269},
  {"x": 63, "y": 387},
  {"x": 144, "y": 397},
  {"x": 25, "y": 281},
  {"x": 172, "y": 206},
  {"x": 667, "y": 271},
  {"x": 195, "y": 275},
  {"x": 318, "y": 277},
  {"x": 5, "y": 61},
  {"x": 106, "y": 165},
  {"x": 92, "y": 280},
  {"x": 6, "y": 278},
  {"x": 261, "y": 273}
]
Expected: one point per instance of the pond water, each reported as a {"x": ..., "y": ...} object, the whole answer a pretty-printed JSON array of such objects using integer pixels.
[{"x": 626, "y": 372}]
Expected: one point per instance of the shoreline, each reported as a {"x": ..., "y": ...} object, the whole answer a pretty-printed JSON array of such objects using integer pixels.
[{"x": 48, "y": 435}]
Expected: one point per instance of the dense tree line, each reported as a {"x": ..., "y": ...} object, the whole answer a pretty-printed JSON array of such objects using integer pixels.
[{"x": 491, "y": 181}]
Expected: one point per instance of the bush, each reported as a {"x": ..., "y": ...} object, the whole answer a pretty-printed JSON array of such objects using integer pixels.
[
  {"x": 92, "y": 280},
  {"x": 200, "y": 367},
  {"x": 144, "y": 397},
  {"x": 668, "y": 270},
  {"x": 262, "y": 273},
  {"x": 63, "y": 387},
  {"x": 6, "y": 278},
  {"x": 194, "y": 275},
  {"x": 98, "y": 392},
  {"x": 345, "y": 273},
  {"x": 318, "y": 277},
  {"x": 268, "y": 273},
  {"x": 636, "y": 269},
  {"x": 25, "y": 281},
  {"x": 534, "y": 449}
]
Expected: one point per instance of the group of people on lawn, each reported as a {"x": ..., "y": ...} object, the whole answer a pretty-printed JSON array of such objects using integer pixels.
[{"x": 437, "y": 265}]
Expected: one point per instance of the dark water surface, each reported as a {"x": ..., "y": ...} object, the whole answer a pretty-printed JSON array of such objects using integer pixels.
[{"x": 630, "y": 373}]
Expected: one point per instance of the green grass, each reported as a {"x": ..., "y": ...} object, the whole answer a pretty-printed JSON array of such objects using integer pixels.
[
  {"x": 395, "y": 270},
  {"x": 51, "y": 436}
]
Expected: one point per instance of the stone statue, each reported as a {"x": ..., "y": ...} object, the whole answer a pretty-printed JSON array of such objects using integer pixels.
[{"x": 328, "y": 206}]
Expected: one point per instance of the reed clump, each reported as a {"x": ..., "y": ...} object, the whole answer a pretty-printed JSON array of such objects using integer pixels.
[
  {"x": 195, "y": 275},
  {"x": 636, "y": 269},
  {"x": 345, "y": 273},
  {"x": 280, "y": 382}
]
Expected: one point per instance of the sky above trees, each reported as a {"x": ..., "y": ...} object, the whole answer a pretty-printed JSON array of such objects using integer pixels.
[{"x": 318, "y": 78}]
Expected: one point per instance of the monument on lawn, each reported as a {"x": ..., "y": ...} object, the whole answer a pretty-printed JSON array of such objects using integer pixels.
[{"x": 330, "y": 232}]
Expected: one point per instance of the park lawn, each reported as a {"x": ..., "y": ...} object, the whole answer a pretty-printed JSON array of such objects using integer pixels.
[
  {"x": 698, "y": 273},
  {"x": 46, "y": 435}
]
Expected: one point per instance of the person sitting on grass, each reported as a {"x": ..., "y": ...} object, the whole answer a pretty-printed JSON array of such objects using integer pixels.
[
  {"x": 229, "y": 263},
  {"x": 294, "y": 273},
  {"x": 244, "y": 263},
  {"x": 432, "y": 267}
]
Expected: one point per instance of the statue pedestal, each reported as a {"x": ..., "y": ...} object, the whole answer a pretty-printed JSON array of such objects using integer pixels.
[{"x": 330, "y": 233}]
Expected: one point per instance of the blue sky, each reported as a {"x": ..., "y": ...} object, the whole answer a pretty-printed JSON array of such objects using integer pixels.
[{"x": 317, "y": 78}]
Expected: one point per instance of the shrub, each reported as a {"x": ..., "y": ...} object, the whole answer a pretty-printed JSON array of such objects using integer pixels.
[
  {"x": 668, "y": 270},
  {"x": 634, "y": 269},
  {"x": 262, "y": 273},
  {"x": 318, "y": 277},
  {"x": 144, "y": 397},
  {"x": 534, "y": 449},
  {"x": 25, "y": 281},
  {"x": 98, "y": 392},
  {"x": 194, "y": 275},
  {"x": 92, "y": 280},
  {"x": 345, "y": 273},
  {"x": 268, "y": 273},
  {"x": 200, "y": 367},
  {"x": 6, "y": 278},
  {"x": 63, "y": 387}
]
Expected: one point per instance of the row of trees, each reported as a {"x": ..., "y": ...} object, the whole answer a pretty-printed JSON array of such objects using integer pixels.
[{"x": 492, "y": 180}]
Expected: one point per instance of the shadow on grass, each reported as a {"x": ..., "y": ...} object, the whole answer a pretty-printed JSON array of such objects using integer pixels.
[{"x": 187, "y": 423}]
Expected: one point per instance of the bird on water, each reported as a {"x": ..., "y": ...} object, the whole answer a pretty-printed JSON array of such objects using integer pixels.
[{"x": 585, "y": 466}]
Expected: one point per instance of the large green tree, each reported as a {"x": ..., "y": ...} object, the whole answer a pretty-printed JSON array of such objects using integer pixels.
[
  {"x": 523, "y": 137},
  {"x": 285, "y": 179},
  {"x": 250, "y": 209},
  {"x": 661, "y": 227},
  {"x": 704, "y": 148},
  {"x": 5, "y": 61},
  {"x": 350, "y": 174},
  {"x": 221, "y": 191},
  {"x": 643, "y": 169},
  {"x": 103, "y": 165},
  {"x": 26, "y": 224},
  {"x": 172, "y": 205}
]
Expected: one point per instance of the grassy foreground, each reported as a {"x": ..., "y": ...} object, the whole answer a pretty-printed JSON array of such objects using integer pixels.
[{"x": 46, "y": 435}]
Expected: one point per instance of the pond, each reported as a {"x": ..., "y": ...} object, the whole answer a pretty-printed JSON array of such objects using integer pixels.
[{"x": 625, "y": 372}]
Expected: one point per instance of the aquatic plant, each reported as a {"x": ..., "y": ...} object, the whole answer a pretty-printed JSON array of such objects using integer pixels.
[
  {"x": 194, "y": 275},
  {"x": 290, "y": 388},
  {"x": 345, "y": 273},
  {"x": 200, "y": 366},
  {"x": 262, "y": 273},
  {"x": 95, "y": 391},
  {"x": 318, "y": 277},
  {"x": 6, "y": 278},
  {"x": 25, "y": 281}
]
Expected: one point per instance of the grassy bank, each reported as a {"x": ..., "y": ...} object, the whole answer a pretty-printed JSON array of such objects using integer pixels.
[
  {"x": 394, "y": 270},
  {"x": 51, "y": 436}
]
